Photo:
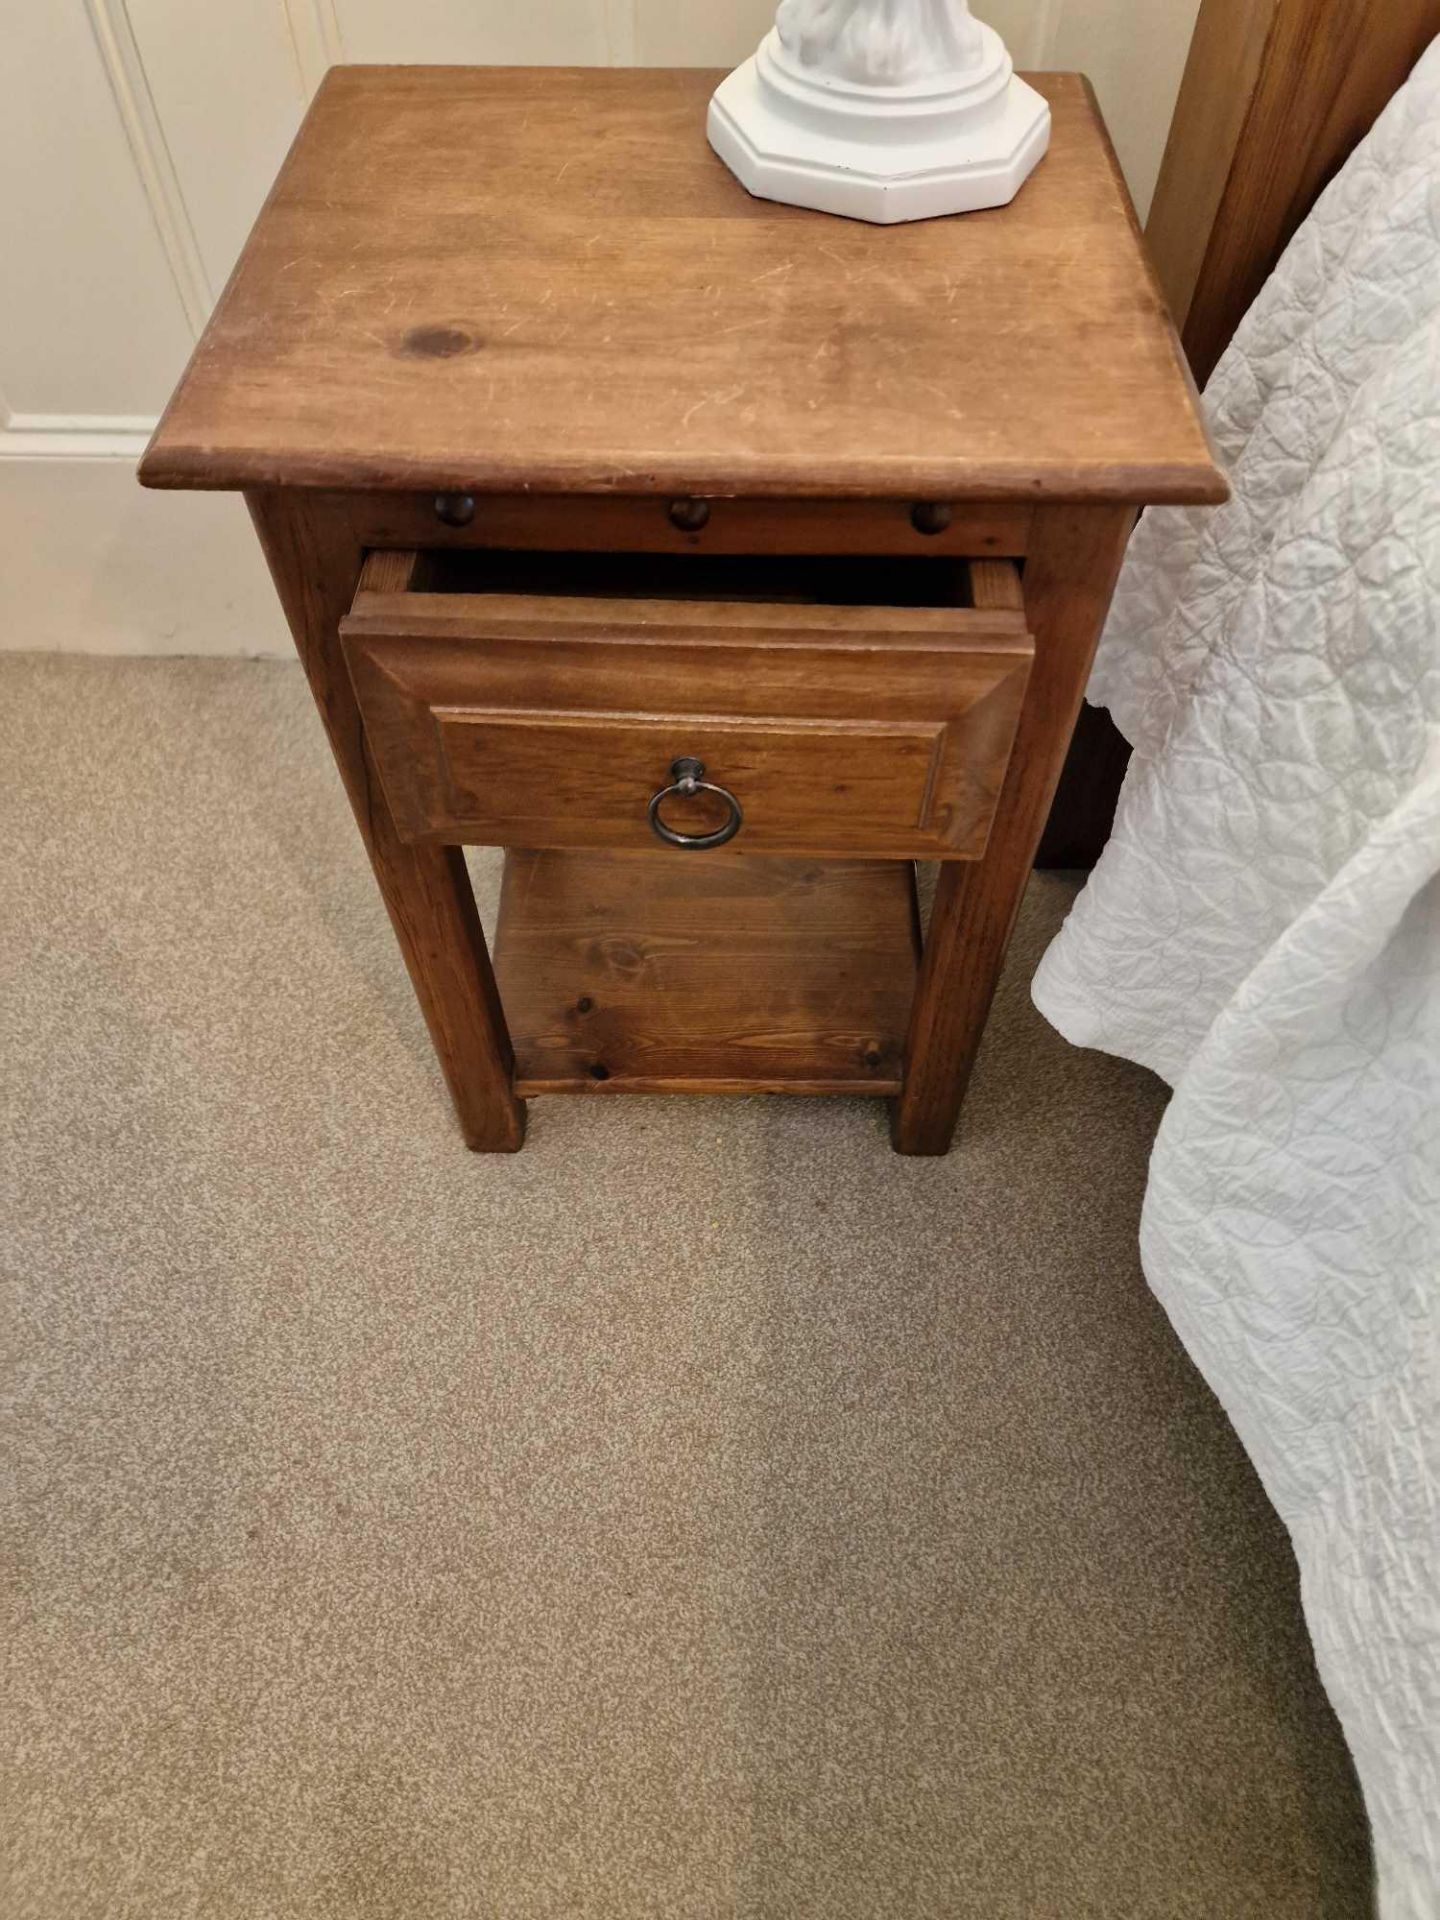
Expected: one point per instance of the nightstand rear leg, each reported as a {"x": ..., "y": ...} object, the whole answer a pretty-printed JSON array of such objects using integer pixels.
[
  {"x": 1070, "y": 575},
  {"x": 315, "y": 556}
]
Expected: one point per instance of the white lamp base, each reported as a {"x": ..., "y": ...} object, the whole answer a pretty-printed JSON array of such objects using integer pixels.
[{"x": 954, "y": 144}]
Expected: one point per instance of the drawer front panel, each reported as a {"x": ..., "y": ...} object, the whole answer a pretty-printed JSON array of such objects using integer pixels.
[
  {"x": 498, "y": 720},
  {"x": 551, "y": 780}
]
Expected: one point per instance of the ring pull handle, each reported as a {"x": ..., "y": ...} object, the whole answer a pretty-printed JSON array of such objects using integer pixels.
[{"x": 687, "y": 777}]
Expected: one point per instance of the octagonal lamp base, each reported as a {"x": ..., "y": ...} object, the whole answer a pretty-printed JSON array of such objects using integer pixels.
[{"x": 870, "y": 153}]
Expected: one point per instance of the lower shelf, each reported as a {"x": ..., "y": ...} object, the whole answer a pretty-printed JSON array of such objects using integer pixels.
[{"x": 706, "y": 973}]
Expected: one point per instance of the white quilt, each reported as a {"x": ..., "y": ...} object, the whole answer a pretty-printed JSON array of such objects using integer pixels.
[{"x": 1264, "y": 931}]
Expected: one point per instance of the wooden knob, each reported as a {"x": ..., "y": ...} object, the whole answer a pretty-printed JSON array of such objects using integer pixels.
[
  {"x": 690, "y": 516},
  {"x": 931, "y": 516},
  {"x": 455, "y": 509}
]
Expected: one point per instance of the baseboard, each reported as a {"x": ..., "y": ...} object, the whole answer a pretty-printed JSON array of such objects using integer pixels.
[
  {"x": 91, "y": 563},
  {"x": 74, "y": 436}
]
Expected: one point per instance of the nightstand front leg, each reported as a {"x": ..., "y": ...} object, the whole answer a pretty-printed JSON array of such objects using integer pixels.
[
  {"x": 1070, "y": 575},
  {"x": 315, "y": 557}
]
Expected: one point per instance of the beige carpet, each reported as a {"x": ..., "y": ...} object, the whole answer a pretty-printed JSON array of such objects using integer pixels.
[{"x": 704, "y": 1514}]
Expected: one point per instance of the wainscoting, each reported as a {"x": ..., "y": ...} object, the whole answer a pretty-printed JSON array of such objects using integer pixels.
[{"x": 138, "y": 140}]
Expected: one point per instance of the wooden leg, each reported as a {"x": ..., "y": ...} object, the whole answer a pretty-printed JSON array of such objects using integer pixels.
[
  {"x": 315, "y": 555},
  {"x": 1070, "y": 576},
  {"x": 1082, "y": 814}
]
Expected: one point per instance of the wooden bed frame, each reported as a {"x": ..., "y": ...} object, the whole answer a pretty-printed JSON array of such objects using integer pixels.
[{"x": 1276, "y": 96}]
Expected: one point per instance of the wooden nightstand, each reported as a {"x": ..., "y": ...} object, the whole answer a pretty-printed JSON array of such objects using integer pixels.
[{"x": 579, "y": 471}]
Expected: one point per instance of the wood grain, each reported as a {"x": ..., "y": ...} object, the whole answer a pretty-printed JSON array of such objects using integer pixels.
[
  {"x": 995, "y": 587},
  {"x": 1210, "y": 115},
  {"x": 648, "y": 973},
  {"x": 1069, "y": 580},
  {"x": 1276, "y": 95},
  {"x": 541, "y": 291},
  {"x": 542, "y": 280},
  {"x": 315, "y": 560},
  {"x": 550, "y": 722},
  {"x": 616, "y": 523}
]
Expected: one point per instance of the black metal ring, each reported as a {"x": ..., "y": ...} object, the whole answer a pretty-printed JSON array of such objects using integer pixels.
[{"x": 688, "y": 777}]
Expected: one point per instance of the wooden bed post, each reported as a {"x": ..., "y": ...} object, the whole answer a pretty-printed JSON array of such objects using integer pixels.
[{"x": 1276, "y": 96}]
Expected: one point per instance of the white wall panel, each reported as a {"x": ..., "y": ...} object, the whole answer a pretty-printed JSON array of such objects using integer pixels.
[
  {"x": 1135, "y": 55},
  {"x": 93, "y": 564},
  {"x": 503, "y": 32},
  {"x": 228, "y": 91},
  {"x": 692, "y": 33},
  {"x": 1026, "y": 27},
  {"x": 316, "y": 32},
  {"x": 91, "y": 323},
  {"x": 719, "y": 33}
]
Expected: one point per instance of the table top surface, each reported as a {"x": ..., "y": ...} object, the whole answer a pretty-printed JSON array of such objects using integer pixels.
[{"x": 542, "y": 279}]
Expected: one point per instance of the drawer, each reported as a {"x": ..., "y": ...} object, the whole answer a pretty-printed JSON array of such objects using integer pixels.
[{"x": 552, "y": 720}]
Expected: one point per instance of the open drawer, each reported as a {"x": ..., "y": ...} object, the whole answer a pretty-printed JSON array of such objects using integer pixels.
[{"x": 824, "y": 725}]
